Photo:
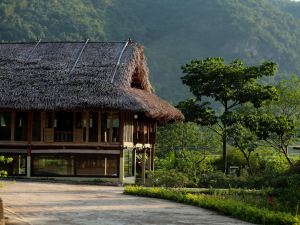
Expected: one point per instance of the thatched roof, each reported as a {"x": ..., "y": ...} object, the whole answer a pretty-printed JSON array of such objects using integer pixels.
[{"x": 43, "y": 77}]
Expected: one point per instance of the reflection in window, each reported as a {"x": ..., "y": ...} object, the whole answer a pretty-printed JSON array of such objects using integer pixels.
[
  {"x": 94, "y": 166},
  {"x": 17, "y": 166},
  {"x": 52, "y": 166},
  {"x": 36, "y": 126},
  {"x": 105, "y": 127},
  {"x": 112, "y": 166},
  {"x": 93, "y": 127},
  {"x": 5, "y": 125},
  {"x": 21, "y": 125}
]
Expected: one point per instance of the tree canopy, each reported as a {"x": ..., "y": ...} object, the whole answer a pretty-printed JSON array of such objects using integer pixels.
[{"x": 231, "y": 85}]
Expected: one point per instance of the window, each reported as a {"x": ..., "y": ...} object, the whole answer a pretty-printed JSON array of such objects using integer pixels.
[
  {"x": 17, "y": 167},
  {"x": 21, "y": 124},
  {"x": 93, "y": 127},
  {"x": 115, "y": 127},
  {"x": 36, "y": 126},
  {"x": 112, "y": 166},
  {"x": 93, "y": 166},
  {"x": 53, "y": 166},
  {"x": 5, "y": 126},
  {"x": 105, "y": 127},
  {"x": 110, "y": 127}
]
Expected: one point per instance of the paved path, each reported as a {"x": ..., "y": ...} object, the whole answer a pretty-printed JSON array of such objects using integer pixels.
[{"x": 66, "y": 204}]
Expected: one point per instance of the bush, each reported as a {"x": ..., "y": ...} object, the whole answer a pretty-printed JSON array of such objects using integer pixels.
[
  {"x": 167, "y": 178},
  {"x": 228, "y": 207}
]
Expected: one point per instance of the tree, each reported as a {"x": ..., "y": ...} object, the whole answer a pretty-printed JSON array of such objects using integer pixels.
[
  {"x": 230, "y": 85},
  {"x": 243, "y": 139},
  {"x": 277, "y": 131}
]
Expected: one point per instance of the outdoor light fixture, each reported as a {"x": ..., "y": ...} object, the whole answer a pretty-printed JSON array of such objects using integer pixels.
[{"x": 135, "y": 116}]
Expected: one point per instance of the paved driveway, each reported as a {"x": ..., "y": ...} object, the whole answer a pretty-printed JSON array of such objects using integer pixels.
[{"x": 67, "y": 204}]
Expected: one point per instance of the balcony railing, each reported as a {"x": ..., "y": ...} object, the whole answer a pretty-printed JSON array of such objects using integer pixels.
[{"x": 63, "y": 136}]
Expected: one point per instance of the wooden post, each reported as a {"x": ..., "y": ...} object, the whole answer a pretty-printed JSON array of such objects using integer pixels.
[
  {"x": 105, "y": 165},
  {"x": 121, "y": 165},
  {"x": 87, "y": 132},
  {"x": 121, "y": 127},
  {"x": 2, "y": 218},
  {"x": 29, "y": 128},
  {"x": 99, "y": 127},
  {"x": 13, "y": 119},
  {"x": 28, "y": 166}
]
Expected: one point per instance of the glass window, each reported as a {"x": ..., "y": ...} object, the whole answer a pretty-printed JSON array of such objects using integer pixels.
[
  {"x": 17, "y": 167},
  {"x": 5, "y": 125},
  {"x": 93, "y": 127},
  {"x": 21, "y": 124},
  {"x": 115, "y": 127},
  {"x": 94, "y": 166},
  {"x": 53, "y": 166},
  {"x": 112, "y": 166},
  {"x": 36, "y": 126},
  {"x": 105, "y": 127}
]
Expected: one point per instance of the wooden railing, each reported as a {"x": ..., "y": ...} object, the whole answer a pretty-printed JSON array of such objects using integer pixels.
[{"x": 63, "y": 136}]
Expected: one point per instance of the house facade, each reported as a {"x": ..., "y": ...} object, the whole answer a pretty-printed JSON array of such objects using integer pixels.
[{"x": 78, "y": 109}]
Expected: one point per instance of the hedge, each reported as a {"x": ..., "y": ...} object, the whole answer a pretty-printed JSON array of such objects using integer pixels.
[{"x": 224, "y": 206}]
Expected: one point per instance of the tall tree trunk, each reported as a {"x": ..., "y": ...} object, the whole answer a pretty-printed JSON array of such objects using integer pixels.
[
  {"x": 285, "y": 152},
  {"x": 225, "y": 141},
  {"x": 225, "y": 152}
]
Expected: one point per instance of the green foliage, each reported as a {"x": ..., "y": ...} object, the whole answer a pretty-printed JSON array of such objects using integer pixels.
[
  {"x": 3, "y": 161},
  {"x": 225, "y": 206},
  {"x": 182, "y": 135},
  {"x": 231, "y": 85},
  {"x": 167, "y": 178}
]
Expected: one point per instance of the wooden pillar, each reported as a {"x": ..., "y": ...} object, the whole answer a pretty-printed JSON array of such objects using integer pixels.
[
  {"x": 2, "y": 218},
  {"x": 28, "y": 166},
  {"x": 121, "y": 127},
  {"x": 87, "y": 124},
  {"x": 121, "y": 166},
  {"x": 99, "y": 127},
  {"x": 13, "y": 121},
  {"x": 29, "y": 128}
]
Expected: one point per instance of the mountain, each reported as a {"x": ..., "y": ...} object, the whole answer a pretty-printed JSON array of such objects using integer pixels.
[{"x": 173, "y": 31}]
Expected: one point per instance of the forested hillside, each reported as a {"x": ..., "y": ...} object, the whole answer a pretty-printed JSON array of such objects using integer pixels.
[{"x": 173, "y": 31}]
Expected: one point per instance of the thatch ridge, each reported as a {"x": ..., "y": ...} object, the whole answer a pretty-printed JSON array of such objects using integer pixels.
[{"x": 40, "y": 79}]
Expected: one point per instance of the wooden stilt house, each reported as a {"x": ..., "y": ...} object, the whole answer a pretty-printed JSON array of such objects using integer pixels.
[{"x": 78, "y": 109}]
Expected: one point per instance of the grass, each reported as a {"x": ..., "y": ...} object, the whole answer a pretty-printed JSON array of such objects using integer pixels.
[{"x": 220, "y": 203}]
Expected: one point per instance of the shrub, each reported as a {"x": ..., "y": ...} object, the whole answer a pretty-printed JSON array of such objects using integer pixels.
[
  {"x": 167, "y": 178},
  {"x": 225, "y": 206}
]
